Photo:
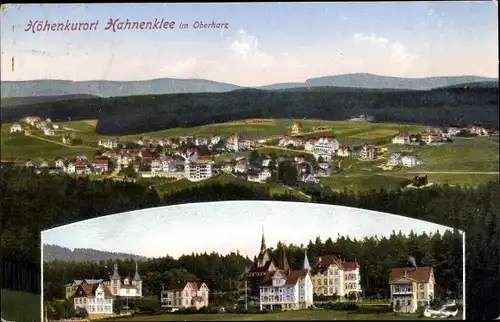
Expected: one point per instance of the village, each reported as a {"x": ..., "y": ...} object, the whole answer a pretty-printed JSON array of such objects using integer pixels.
[
  {"x": 270, "y": 285},
  {"x": 197, "y": 158}
]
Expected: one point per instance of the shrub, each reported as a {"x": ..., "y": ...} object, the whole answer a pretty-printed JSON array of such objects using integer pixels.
[{"x": 203, "y": 310}]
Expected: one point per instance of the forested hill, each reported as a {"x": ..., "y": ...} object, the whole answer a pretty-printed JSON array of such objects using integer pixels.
[
  {"x": 137, "y": 114},
  {"x": 17, "y": 101},
  {"x": 160, "y": 86},
  {"x": 55, "y": 252}
]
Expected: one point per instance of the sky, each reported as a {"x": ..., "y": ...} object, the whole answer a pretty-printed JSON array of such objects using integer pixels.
[
  {"x": 226, "y": 227},
  {"x": 264, "y": 43}
]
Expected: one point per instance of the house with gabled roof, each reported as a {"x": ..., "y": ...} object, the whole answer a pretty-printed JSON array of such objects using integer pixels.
[
  {"x": 96, "y": 299},
  {"x": 16, "y": 128},
  {"x": 184, "y": 294},
  {"x": 332, "y": 275},
  {"x": 411, "y": 288},
  {"x": 401, "y": 138},
  {"x": 71, "y": 287}
]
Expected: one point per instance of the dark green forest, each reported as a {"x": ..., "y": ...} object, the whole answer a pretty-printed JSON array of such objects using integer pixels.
[
  {"x": 139, "y": 114},
  {"x": 31, "y": 203}
]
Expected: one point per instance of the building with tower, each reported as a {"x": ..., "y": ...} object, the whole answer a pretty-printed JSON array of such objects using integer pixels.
[
  {"x": 125, "y": 286},
  {"x": 276, "y": 284}
]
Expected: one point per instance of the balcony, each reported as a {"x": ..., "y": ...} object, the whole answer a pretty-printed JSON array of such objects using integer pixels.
[{"x": 402, "y": 291}]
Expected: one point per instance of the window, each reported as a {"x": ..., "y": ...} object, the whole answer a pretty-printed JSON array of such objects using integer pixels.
[
  {"x": 397, "y": 303},
  {"x": 331, "y": 290},
  {"x": 422, "y": 295},
  {"x": 422, "y": 286},
  {"x": 325, "y": 281},
  {"x": 336, "y": 280},
  {"x": 409, "y": 302}
]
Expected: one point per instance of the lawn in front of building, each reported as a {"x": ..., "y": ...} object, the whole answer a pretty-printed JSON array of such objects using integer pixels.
[{"x": 318, "y": 315}]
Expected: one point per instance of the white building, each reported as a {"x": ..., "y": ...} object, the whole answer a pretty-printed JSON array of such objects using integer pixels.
[
  {"x": 215, "y": 140},
  {"x": 49, "y": 132},
  {"x": 185, "y": 294},
  {"x": 411, "y": 288},
  {"x": 125, "y": 287},
  {"x": 324, "y": 147},
  {"x": 159, "y": 165},
  {"x": 96, "y": 299},
  {"x": 401, "y": 138},
  {"x": 196, "y": 171},
  {"x": 288, "y": 289},
  {"x": 333, "y": 276},
  {"x": 286, "y": 141},
  {"x": 344, "y": 151},
  {"x": 241, "y": 166},
  {"x": 108, "y": 143},
  {"x": 259, "y": 176},
  {"x": 394, "y": 159},
  {"x": 16, "y": 128},
  {"x": 410, "y": 161}
]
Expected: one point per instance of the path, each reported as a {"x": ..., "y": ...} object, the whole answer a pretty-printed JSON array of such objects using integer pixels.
[
  {"x": 59, "y": 143},
  {"x": 284, "y": 149},
  {"x": 298, "y": 191},
  {"x": 451, "y": 172}
]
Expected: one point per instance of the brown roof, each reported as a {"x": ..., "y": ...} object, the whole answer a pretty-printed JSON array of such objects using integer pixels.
[
  {"x": 294, "y": 275},
  {"x": 88, "y": 290},
  {"x": 179, "y": 286},
  {"x": 101, "y": 161},
  {"x": 326, "y": 260},
  {"x": 419, "y": 274}
]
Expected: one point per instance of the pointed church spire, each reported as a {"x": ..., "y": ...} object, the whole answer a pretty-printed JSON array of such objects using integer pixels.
[
  {"x": 306, "y": 261},
  {"x": 115, "y": 275},
  {"x": 137, "y": 277},
  {"x": 284, "y": 260},
  {"x": 263, "y": 242}
]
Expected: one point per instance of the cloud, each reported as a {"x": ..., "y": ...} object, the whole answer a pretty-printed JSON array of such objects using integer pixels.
[
  {"x": 343, "y": 17},
  {"x": 371, "y": 38},
  {"x": 396, "y": 50},
  {"x": 246, "y": 47}
]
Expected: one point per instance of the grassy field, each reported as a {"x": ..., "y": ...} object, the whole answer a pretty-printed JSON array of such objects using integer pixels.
[
  {"x": 363, "y": 183},
  {"x": 464, "y": 154},
  {"x": 20, "y": 306},
  {"x": 177, "y": 185},
  {"x": 290, "y": 316}
]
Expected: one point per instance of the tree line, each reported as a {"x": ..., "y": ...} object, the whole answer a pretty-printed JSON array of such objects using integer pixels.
[
  {"x": 225, "y": 273},
  {"x": 31, "y": 203},
  {"x": 140, "y": 114}
]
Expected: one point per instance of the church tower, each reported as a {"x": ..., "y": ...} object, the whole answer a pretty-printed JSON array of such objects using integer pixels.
[
  {"x": 306, "y": 262},
  {"x": 115, "y": 281},
  {"x": 263, "y": 257},
  {"x": 137, "y": 280},
  {"x": 236, "y": 143},
  {"x": 283, "y": 261}
]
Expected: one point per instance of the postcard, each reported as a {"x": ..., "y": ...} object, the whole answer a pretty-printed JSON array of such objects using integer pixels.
[{"x": 340, "y": 129}]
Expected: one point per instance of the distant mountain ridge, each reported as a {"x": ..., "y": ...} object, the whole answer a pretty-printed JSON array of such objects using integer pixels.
[
  {"x": 104, "y": 88},
  {"x": 55, "y": 252}
]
